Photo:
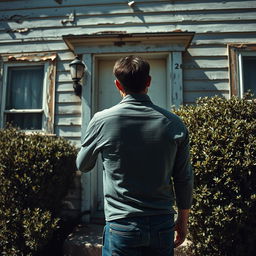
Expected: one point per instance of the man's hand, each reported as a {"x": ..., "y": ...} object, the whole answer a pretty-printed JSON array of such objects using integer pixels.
[{"x": 181, "y": 227}]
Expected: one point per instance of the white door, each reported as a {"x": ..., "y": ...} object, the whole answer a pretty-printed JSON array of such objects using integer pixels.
[{"x": 106, "y": 95}]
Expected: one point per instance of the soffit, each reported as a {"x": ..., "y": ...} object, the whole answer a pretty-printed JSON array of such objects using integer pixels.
[{"x": 122, "y": 39}]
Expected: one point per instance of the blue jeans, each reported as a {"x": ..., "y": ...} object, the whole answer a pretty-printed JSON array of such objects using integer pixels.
[{"x": 139, "y": 236}]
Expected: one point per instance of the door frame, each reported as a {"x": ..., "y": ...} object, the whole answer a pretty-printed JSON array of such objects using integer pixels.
[{"x": 90, "y": 46}]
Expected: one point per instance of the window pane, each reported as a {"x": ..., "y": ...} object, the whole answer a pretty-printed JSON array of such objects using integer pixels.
[
  {"x": 25, "y": 87},
  {"x": 249, "y": 70},
  {"x": 28, "y": 121}
]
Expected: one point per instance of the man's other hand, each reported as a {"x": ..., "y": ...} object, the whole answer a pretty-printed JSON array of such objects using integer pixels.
[{"x": 181, "y": 227}]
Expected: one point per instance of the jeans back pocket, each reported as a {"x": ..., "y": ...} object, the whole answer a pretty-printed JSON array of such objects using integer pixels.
[{"x": 125, "y": 235}]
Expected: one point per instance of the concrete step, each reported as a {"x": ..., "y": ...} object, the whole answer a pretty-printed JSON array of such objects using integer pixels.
[{"x": 86, "y": 240}]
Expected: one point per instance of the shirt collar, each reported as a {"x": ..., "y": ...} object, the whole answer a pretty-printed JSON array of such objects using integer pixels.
[{"x": 136, "y": 98}]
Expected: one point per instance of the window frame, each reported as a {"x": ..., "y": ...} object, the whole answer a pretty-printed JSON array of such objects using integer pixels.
[
  {"x": 236, "y": 54},
  {"x": 49, "y": 64}
]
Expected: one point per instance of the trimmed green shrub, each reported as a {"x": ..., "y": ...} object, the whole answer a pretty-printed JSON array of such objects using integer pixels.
[
  {"x": 223, "y": 155},
  {"x": 35, "y": 174}
]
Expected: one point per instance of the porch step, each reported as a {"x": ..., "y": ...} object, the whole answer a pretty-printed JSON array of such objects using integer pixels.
[{"x": 86, "y": 240}]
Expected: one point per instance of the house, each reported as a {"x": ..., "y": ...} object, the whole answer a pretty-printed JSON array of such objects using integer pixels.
[{"x": 196, "y": 48}]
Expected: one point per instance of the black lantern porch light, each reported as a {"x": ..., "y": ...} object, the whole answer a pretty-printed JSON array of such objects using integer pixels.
[{"x": 77, "y": 69}]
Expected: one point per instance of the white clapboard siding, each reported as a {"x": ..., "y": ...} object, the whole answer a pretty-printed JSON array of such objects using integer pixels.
[
  {"x": 131, "y": 27},
  {"x": 68, "y": 131},
  {"x": 67, "y": 120},
  {"x": 83, "y": 14},
  {"x": 207, "y": 50},
  {"x": 205, "y": 74},
  {"x": 67, "y": 97},
  {"x": 65, "y": 55},
  {"x": 63, "y": 76},
  {"x": 19, "y": 46},
  {"x": 220, "y": 38},
  {"x": 64, "y": 87},
  {"x": 169, "y": 18},
  {"x": 63, "y": 66},
  {"x": 203, "y": 86},
  {"x": 65, "y": 3},
  {"x": 68, "y": 108},
  {"x": 204, "y": 62},
  {"x": 181, "y": 5}
]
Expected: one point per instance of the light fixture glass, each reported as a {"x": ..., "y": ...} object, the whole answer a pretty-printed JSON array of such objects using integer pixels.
[{"x": 77, "y": 69}]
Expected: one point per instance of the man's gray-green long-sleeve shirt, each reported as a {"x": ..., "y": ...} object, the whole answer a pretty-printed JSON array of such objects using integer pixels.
[{"x": 145, "y": 153}]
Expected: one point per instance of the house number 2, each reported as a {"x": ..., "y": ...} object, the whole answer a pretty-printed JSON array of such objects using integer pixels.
[{"x": 178, "y": 66}]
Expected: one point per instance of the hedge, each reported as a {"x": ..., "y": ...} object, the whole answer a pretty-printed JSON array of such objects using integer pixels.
[
  {"x": 35, "y": 174},
  {"x": 223, "y": 155}
]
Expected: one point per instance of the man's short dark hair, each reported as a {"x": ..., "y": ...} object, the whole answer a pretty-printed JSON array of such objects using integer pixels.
[{"x": 132, "y": 72}]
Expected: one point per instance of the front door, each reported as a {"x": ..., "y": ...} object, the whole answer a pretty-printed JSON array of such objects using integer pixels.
[{"x": 106, "y": 95}]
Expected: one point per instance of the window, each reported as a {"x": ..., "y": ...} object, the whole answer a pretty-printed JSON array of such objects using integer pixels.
[
  {"x": 247, "y": 66},
  {"x": 24, "y": 97},
  {"x": 242, "y": 69},
  {"x": 27, "y": 95}
]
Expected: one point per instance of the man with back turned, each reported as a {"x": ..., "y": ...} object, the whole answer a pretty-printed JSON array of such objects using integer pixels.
[{"x": 146, "y": 168}]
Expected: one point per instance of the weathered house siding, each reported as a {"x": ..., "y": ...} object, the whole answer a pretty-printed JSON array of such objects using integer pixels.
[{"x": 38, "y": 26}]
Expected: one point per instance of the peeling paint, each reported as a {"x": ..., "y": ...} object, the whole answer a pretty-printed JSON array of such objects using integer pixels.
[
  {"x": 251, "y": 47},
  {"x": 50, "y": 98},
  {"x": 70, "y": 19},
  {"x": 34, "y": 58},
  {"x": 178, "y": 30},
  {"x": 19, "y": 30},
  {"x": 110, "y": 32}
]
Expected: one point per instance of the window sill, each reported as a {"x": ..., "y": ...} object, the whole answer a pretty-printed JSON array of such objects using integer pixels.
[{"x": 30, "y": 132}]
